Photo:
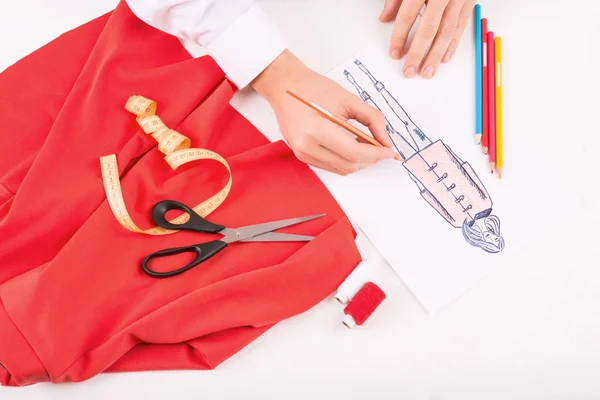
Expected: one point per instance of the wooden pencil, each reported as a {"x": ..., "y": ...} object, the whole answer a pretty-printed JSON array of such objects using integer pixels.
[
  {"x": 491, "y": 102},
  {"x": 336, "y": 120},
  {"x": 484, "y": 75},
  {"x": 499, "y": 152}
]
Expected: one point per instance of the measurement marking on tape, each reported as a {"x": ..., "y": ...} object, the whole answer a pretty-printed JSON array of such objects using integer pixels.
[{"x": 177, "y": 150}]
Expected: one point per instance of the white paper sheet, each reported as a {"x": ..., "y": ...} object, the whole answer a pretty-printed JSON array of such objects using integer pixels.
[{"x": 432, "y": 257}]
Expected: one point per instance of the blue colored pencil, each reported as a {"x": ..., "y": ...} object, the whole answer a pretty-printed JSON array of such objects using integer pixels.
[{"x": 478, "y": 76}]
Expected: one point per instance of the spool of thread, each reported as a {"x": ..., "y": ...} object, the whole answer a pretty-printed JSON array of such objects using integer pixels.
[
  {"x": 366, "y": 301},
  {"x": 354, "y": 282}
]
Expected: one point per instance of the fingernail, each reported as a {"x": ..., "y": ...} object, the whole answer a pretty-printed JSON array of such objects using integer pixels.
[
  {"x": 395, "y": 54},
  {"x": 447, "y": 56},
  {"x": 428, "y": 72},
  {"x": 409, "y": 72}
]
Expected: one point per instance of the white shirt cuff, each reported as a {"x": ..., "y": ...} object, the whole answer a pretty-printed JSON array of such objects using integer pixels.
[{"x": 246, "y": 47}]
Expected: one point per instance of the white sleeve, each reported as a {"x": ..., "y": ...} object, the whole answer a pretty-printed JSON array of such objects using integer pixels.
[{"x": 236, "y": 33}]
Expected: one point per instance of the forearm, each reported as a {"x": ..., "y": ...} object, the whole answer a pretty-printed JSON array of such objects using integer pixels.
[{"x": 276, "y": 78}]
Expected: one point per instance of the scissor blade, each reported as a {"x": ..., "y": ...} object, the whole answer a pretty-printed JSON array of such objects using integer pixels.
[
  {"x": 279, "y": 237},
  {"x": 247, "y": 232}
]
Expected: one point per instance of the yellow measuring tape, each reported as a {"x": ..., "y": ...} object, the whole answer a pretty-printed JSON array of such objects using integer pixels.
[{"x": 176, "y": 148}]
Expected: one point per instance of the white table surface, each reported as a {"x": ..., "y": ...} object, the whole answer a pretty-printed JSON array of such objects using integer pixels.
[{"x": 531, "y": 330}]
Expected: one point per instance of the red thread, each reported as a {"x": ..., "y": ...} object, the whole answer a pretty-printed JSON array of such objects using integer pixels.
[{"x": 366, "y": 301}]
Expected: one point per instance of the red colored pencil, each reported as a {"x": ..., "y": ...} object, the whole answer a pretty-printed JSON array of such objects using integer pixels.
[
  {"x": 491, "y": 101},
  {"x": 484, "y": 134}
]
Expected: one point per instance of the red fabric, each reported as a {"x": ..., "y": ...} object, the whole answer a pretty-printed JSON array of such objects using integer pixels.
[{"x": 73, "y": 299}]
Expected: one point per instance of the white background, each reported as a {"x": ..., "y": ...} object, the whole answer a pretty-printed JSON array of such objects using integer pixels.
[{"x": 530, "y": 330}]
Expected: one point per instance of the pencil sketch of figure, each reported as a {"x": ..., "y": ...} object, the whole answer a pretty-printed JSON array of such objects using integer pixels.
[
  {"x": 447, "y": 183},
  {"x": 416, "y": 134},
  {"x": 402, "y": 145}
]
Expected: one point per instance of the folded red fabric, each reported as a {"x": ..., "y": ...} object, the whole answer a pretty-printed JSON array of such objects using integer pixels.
[{"x": 74, "y": 301}]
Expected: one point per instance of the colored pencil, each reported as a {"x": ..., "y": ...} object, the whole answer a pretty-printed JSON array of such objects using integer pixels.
[
  {"x": 491, "y": 102},
  {"x": 335, "y": 119},
  {"x": 498, "y": 66},
  {"x": 484, "y": 74},
  {"x": 478, "y": 89},
  {"x": 339, "y": 121}
]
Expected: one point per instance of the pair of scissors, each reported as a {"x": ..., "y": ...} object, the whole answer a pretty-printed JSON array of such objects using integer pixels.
[{"x": 203, "y": 251}]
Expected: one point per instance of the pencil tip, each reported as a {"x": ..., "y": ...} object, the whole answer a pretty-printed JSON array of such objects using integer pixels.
[
  {"x": 477, "y": 138},
  {"x": 485, "y": 150},
  {"x": 499, "y": 173}
]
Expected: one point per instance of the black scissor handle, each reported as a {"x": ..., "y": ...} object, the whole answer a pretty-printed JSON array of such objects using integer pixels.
[
  {"x": 196, "y": 223},
  {"x": 203, "y": 252}
]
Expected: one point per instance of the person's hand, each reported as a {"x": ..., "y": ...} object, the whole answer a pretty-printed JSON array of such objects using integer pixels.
[
  {"x": 314, "y": 139},
  {"x": 436, "y": 37}
]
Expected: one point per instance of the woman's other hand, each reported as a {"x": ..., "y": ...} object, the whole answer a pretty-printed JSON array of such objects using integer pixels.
[{"x": 437, "y": 35}]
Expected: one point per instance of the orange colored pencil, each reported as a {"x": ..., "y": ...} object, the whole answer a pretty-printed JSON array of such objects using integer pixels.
[{"x": 336, "y": 120}]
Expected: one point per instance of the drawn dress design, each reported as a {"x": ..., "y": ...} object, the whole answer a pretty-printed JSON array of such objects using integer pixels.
[{"x": 447, "y": 183}]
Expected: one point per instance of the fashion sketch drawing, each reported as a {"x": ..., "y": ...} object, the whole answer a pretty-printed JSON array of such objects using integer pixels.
[{"x": 447, "y": 183}]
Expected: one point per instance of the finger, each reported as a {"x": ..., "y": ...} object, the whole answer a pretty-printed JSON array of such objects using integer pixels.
[
  {"x": 310, "y": 152},
  {"x": 407, "y": 15},
  {"x": 390, "y": 8},
  {"x": 337, "y": 140},
  {"x": 370, "y": 117},
  {"x": 316, "y": 163},
  {"x": 442, "y": 40},
  {"x": 463, "y": 19},
  {"x": 325, "y": 159},
  {"x": 424, "y": 36}
]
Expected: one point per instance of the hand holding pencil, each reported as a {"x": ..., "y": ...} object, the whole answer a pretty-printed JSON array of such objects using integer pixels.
[{"x": 316, "y": 138}]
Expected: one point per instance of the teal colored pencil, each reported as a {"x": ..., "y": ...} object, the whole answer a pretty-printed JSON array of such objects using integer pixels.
[{"x": 478, "y": 76}]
